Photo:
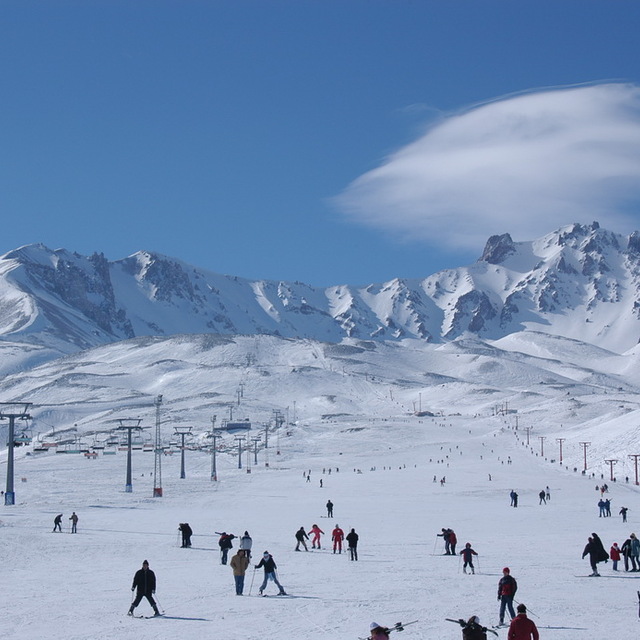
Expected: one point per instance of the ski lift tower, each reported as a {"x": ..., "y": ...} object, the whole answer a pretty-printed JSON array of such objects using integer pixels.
[
  {"x": 182, "y": 432},
  {"x": 157, "y": 466},
  {"x": 215, "y": 434},
  {"x": 129, "y": 425},
  {"x": 12, "y": 411}
]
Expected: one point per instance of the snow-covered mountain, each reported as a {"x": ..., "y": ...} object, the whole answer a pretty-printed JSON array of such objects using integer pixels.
[{"x": 579, "y": 282}]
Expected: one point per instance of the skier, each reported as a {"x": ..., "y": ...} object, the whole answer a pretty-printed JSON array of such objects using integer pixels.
[
  {"x": 521, "y": 627},
  {"x": 378, "y": 632},
  {"x": 337, "y": 535},
  {"x": 512, "y": 495},
  {"x": 543, "y": 497},
  {"x": 515, "y": 499},
  {"x": 239, "y": 564},
  {"x": 507, "y": 587},
  {"x": 607, "y": 508},
  {"x": 246, "y": 543},
  {"x": 623, "y": 513},
  {"x": 467, "y": 555},
  {"x": 269, "y": 573},
  {"x": 595, "y": 550},
  {"x": 187, "y": 532},
  {"x": 145, "y": 582},
  {"x": 329, "y": 509},
  {"x": 548, "y": 493},
  {"x": 352, "y": 539},
  {"x": 316, "y": 531},
  {"x": 301, "y": 534},
  {"x": 445, "y": 536},
  {"x": 626, "y": 554},
  {"x": 602, "y": 507},
  {"x": 74, "y": 522},
  {"x": 57, "y": 523},
  {"x": 614, "y": 554},
  {"x": 453, "y": 540},
  {"x": 225, "y": 543}
]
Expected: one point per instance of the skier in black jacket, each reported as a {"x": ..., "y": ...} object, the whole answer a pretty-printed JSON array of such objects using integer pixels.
[
  {"x": 352, "y": 540},
  {"x": 145, "y": 581},
  {"x": 595, "y": 550},
  {"x": 269, "y": 573}
]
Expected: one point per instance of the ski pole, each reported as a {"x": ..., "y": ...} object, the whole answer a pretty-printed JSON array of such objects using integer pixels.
[
  {"x": 478, "y": 561},
  {"x": 252, "y": 579},
  {"x": 158, "y": 603},
  {"x": 435, "y": 544}
]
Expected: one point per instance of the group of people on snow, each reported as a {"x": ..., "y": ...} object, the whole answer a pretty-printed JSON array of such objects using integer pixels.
[{"x": 57, "y": 523}]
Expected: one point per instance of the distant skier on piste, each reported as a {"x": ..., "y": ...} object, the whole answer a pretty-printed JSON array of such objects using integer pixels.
[
  {"x": 329, "y": 509},
  {"x": 317, "y": 532},
  {"x": 596, "y": 552},
  {"x": 507, "y": 587},
  {"x": 337, "y": 536},
  {"x": 467, "y": 555},
  {"x": 186, "y": 532},
  {"x": 225, "y": 543},
  {"x": 144, "y": 581},
  {"x": 301, "y": 535},
  {"x": 352, "y": 541},
  {"x": 269, "y": 573},
  {"x": 57, "y": 523}
]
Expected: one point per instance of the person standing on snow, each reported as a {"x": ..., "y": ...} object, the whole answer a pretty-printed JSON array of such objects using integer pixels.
[
  {"x": 614, "y": 554},
  {"x": 543, "y": 497},
  {"x": 225, "y": 543},
  {"x": 316, "y": 531},
  {"x": 626, "y": 554},
  {"x": 352, "y": 540},
  {"x": 239, "y": 564},
  {"x": 453, "y": 540},
  {"x": 467, "y": 555},
  {"x": 595, "y": 550},
  {"x": 269, "y": 573},
  {"x": 246, "y": 543},
  {"x": 57, "y": 523},
  {"x": 301, "y": 534},
  {"x": 329, "y": 509},
  {"x": 186, "y": 532},
  {"x": 507, "y": 587},
  {"x": 74, "y": 522},
  {"x": 144, "y": 581},
  {"x": 337, "y": 535},
  {"x": 521, "y": 627},
  {"x": 623, "y": 513},
  {"x": 445, "y": 536},
  {"x": 635, "y": 552}
]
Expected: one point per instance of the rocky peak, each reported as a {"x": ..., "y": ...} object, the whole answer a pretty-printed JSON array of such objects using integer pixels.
[{"x": 498, "y": 249}]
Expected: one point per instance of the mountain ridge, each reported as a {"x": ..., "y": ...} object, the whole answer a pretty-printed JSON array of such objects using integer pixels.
[{"x": 579, "y": 282}]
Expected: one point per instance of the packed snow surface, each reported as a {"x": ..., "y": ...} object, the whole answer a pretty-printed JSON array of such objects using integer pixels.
[{"x": 500, "y": 413}]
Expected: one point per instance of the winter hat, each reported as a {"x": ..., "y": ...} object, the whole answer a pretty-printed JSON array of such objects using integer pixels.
[
  {"x": 374, "y": 625},
  {"x": 506, "y": 570},
  {"x": 521, "y": 608}
]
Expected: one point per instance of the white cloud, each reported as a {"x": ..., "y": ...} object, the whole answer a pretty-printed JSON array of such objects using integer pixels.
[{"x": 523, "y": 164}]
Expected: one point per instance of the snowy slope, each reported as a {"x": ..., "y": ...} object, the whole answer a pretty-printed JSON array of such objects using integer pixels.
[{"x": 387, "y": 460}]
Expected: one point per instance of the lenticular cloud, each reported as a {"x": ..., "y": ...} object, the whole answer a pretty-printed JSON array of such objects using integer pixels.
[{"x": 522, "y": 164}]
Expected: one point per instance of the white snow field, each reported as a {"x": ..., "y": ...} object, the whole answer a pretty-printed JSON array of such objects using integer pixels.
[{"x": 383, "y": 462}]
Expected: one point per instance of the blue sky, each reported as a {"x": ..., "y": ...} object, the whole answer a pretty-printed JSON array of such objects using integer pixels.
[{"x": 331, "y": 142}]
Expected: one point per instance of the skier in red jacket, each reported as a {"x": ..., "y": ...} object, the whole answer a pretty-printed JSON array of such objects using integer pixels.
[
  {"x": 521, "y": 628},
  {"x": 337, "y": 535}
]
